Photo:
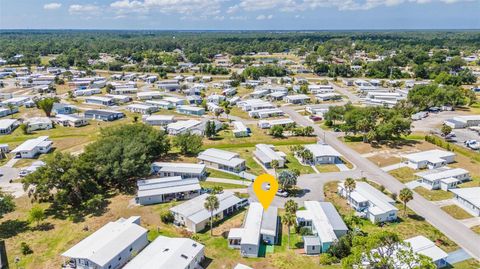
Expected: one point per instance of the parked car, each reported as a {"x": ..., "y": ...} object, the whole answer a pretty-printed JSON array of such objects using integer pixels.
[{"x": 473, "y": 144}]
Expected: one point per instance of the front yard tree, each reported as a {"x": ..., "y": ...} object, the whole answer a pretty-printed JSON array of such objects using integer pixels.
[
  {"x": 350, "y": 185},
  {"x": 276, "y": 131},
  {"x": 7, "y": 203},
  {"x": 289, "y": 220},
  {"x": 188, "y": 143},
  {"x": 287, "y": 179},
  {"x": 36, "y": 214},
  {"x": 211, "y": 204},
  {"x": 446, "y": 130},
  {"x": 291, "y": 206},
  {"x": 46, "y": 104},
  {"x": 406, "y": 195}
]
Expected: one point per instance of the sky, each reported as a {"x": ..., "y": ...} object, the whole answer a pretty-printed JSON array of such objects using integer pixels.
[{"x": 240, "y": 14}]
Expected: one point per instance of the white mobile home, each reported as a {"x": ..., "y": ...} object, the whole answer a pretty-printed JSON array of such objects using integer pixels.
[
  {"x": 70, "y": 120},
  {"x": 323, "y": 154},
  {"x": 162, "y": 190},
  {"x": 297, "y": 99},
  {"x": 160, "y": 104},
  {"x": 239, "y": 129},
  {"x": 468, "y": 199},
  {"x": 372, "y": 203},
  {"x": 166, "y": 252},
  {"x": 185, "y": 126},
  {"x": 8, "y": 125},
  {"x": 222, "y": 160},
  {"x": 260, "y": 226},
  {"x": 39, "y": 123},
  {"x": 159, "y": 120},
  {"x": 111, "y": 246},
  {"x": 194, "y": 217},
  {"x": 443, "y": 178},
  {"x": 100, "y": 100},
  {"x": 266, "y": 113},
  {"x": 149, "y": 95},
  {"x": 142, "y": 108},
  {"x": 463, "y": 121},
  {"x": 191, "y": 110},
  {"x": 424, "y": 246},
  {"x": 267, "y": 124},
  {"x": 325, "y": 224},
  {"x": 33, "y": 147},
  {"x": 429, "y": 159},
  {"x": 266, "y": 154},
  {"x": 184, "y": 170}
]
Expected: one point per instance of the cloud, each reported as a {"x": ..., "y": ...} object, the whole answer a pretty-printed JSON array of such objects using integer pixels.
[
  {"x": 52, "y": 6},
  {"x": 264, "y": 17},
  {"x": 197, "y": 8},
  {"x": 87, "y": 9}
]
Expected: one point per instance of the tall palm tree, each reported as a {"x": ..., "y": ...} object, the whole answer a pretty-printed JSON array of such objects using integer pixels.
[
  {"x": 289, "y": 220},
  {"x": 406, "y": 195},
  {"x": 291, "y": 206},
  {"x": 350, "y": 185},
  {"x": 211, "y": 204}
]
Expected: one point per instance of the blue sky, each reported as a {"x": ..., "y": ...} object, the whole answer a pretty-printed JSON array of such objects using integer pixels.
[{"x": 240, "y": 14}]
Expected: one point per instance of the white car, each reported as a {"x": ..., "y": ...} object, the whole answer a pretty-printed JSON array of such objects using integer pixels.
[{"x": 473, "y": 144}]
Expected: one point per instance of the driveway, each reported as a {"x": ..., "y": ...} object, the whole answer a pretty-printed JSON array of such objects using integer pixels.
[
  {"x": 10, "y": 173},
  {"x": 452, "y": 228}
]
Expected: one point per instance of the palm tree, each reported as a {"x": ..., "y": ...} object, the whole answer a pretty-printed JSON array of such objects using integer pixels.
[
  {"x": 11, "y": 107},
  {"x": 211, "y": 204},
  {"x": 274, "y": 164},
  {"x": 406, "y": 195},
  {"x": 291, "y": 206},
  {"x": 307, "y": 156},
  {"x": 289, "y": 220},
  {"x": 349, "y": 185}
]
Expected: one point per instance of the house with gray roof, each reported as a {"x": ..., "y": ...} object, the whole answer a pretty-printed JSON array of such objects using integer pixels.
[
  {"x": 111, "y": 246},
  {"x": 194, "y": 217},
  {"x": 184, "y": 170},
  {"x": 266, "y": 154},
  {"x": 325, "y": 224},
  {"x": 166, "y": 189},
  {"x": 222, "y": 160}
]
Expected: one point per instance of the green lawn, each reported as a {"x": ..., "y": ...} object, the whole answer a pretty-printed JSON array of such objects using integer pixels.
[
  {"x": 468, "y": 264},
  {"x": 435, "y": 195},
  {"x": 403, "y": 174},
  {"x": 220, "y": 174},
  {"x": 476, "y": 229},
  {"x": 327, "y": 168},
  {"x": 456, "y": 212},
  {"x": 208, "y": 184}
]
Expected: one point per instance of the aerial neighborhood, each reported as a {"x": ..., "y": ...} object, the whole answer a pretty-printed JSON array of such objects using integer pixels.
[{"x": 139, "y": 150}]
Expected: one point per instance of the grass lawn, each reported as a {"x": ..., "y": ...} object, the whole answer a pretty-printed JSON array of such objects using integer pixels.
[
  {"x": 468, "y": 264},
  {"x": 220, "y": 174},
  {"x": 238, "y": 112},
  {"x": 293, "y": 163},
  {"x": 209, "y": 184},
  {"x": 435, "y": 195},
  {"x": 476, "y": 229},
  {"x": 327, "y": 168},
  {"x": 408, "y": 226},
  {"x": 456, "y": 212},
  {"x": 382, "y": 160},
  {"x": 403, "y": 174}
]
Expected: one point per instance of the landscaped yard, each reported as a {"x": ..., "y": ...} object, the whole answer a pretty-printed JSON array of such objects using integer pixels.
[
  {"x": 409, "y": 225},
  {"x": 220, "y": 174},
  {"x": 404, "y": 174},
  {"x": 434, "y": 195},
  {"x": 456, "y": 212},
  {"x": 327, "y": 168}
]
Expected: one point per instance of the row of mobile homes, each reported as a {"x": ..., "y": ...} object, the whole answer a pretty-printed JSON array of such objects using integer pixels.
[
  {"x": 430, "y": 159},
  {"x": 372, "y": 203},
  {"x": 183, "y": 170},
  {"x": 103, "y": 115},
  {"x": 298, "y": 99},
  {"x": 167, "y": 252},
  {"x": 120, "y": 99},
  {"x": 70, "y": 120},
  {"x": 8, "y": 125},
  {"x": 267, "y": 124},
  {"x": 222, "y": 160},
  {"x": 323, "y": 154},
  {"x": 328, "y": 97},
  {"x": 16, "y": 101},
  {"x": 111, "y": 246},
  {"x": 166, "y": 189},
  {"x": 159, "y": 120},
  {"x": 325, "y": 224},
  {"x": 266, "y": 154},
  {"x": 149, "y": 95},
  {"x": 254, "y": 104},
  {"x": 86, "y": 92},
  {"x": 259, "y": 227},
  {"x": 194, "y": 217},
  {"x": 443, "y": 178},
  {"x": 33, "y": 147}
]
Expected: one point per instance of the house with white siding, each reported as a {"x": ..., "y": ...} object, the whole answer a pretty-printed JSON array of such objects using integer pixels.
[
  {"x": 184, "y": 170},
  {"x": 443, "y": 178},
  {"x": 222, "y": 160},
  {"x": 111, "y": 246},
  {"x": 33, "y": 147},
  {"x": 468, "y": 199},
  {"x": 266, "y": 154},
  {"x": 8, "y": 125},
  {"x": 166, "y": 189},
  {"x": 323, "y": 154},
  {"x": 430, "y": 159},
  {"x": 159, "y": 120}
]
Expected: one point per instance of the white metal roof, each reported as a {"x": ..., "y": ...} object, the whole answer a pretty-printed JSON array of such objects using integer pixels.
[
  {"x": 266, "y": 153},
  {"x": 379, "y": 202},
  {"x": 6, "y": 123},
  {"x": 107, "y": 242},
  {"x": 320, "y": 150},
  {"x": 181, "y": 125},
  {"x": 190, "y": 108},
  {"x": 438, "y": 174},
  {"x": 194, "y": 209},
  {"x": 470, "y": 194},
  {"x": 31, "y": 144},
  {"x": 422, "y": 245},
  {"x": 320, "y": 221},
  {"x": 242, "y": 266},
  {"x": 166, "y": 252},
  {"x": 239, "y": 126},
  {"x": 192, "y": 168},
  {"x": 159, "y": 186},
  {"x": 252, "y": 225},
  {"x": 430, "y": 155},
  {"x": 221, "y": 156}
]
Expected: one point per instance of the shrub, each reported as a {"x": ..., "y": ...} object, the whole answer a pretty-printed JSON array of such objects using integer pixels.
[
  {"x": 167, "y": 217},
  {"x": 304, "y": 231},
  {"x": 25, "y": 248},
  {"x": 327, "y": 259}
]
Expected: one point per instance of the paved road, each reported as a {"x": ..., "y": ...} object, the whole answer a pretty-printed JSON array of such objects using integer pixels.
[
  {"x": 351, "y": 96},
  {"x": 449, "y": 226}
]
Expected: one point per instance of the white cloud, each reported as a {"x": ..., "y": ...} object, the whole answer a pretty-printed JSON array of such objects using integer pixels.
[
  {"x": 52, "y": 6},
  {"x": 264, "y": 17},
  {"x": 88, "y": 9},
  {"x": 197, "y": 8}
]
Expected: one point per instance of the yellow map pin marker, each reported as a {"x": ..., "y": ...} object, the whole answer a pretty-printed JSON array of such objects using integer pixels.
[{"x": 265, "y": 196}]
